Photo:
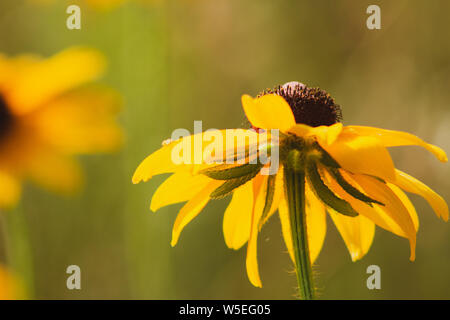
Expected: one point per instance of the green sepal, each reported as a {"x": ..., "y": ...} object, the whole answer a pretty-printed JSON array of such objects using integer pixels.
[
  {"x": 325, "y": 194},
  {"x": 227, "y": 172},
  {"x": 295, "y": 160},
  {"x": 228, "y": 186},
  {"x": 326, "y": 159},
  {"x": 351, "y": 190},
  {"x": 270, "y": 192},
  {"x": 241, "y": 153}
]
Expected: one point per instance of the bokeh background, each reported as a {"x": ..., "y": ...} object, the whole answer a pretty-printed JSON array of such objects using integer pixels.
[{"x": 174, "y": 62}]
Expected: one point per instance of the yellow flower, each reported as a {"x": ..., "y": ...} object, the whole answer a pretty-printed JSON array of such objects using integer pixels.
[
  {"x": 349, "y": 174},
  {"x": 48, "y": 115},
  {"x": 10, "y": 286},
  {"x": 100, "y": 4}
]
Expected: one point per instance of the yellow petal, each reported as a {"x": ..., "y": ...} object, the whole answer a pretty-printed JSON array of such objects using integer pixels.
[
  {"x": 268, "y": 112},
  {"x": 157, "y": 163},
  {"x": 238, "y": 216},
  {"x": 407, "y": 203},
  {"x": 325, "y": 134},
  {"x": 393, "y": 217},
  {"x": 49, "y": 78},
  {"x": 390, "y": 138},
  {"x": 315, "y": 225},
  {"x": 10, "y": 190},
  {"x": 191, "y": 209},
  {"x": 258, "y": 205},
  {"x": 393, "y": 206},
  {"x": 283, "y": 212},
  {"x": 357, "y": 232},
  {"x": 278, "y": 195},
  {"x": 55, "y": 172},
  {"x": 179, "y": 187},
  {"x": 359, "y": 154},
  {"x": 83, "y": 121},
  {"x": 412, "y": 185},
  {"x": 162, "y": 160}
]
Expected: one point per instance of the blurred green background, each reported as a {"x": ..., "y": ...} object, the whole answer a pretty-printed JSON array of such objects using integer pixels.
[{"x": 179, "y": 61}]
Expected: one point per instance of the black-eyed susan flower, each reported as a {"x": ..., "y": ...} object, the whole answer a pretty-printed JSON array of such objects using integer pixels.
[
  {"x": 323, "y": 167},
  {"x": 48, "y": 114}
]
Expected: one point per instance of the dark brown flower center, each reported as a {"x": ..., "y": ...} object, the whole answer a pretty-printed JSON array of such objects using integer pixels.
[
  {"x": 311, "y": 106},
  {"x": 6, "y": 118}
]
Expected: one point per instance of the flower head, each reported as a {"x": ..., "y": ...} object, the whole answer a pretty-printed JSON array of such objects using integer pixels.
[
  {"x": 48, "y": 115},
  {"x": 349, "y": 174}
]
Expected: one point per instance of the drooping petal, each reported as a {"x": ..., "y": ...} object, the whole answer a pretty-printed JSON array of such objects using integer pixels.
[
  {"x": 191, "y": 209},
  {"x": 393, "y": 216},
  {"x": 391, "y": 138},
  {"x": 179, "y": 187},
  {"x": 46, "y": 79},
  {"x": 252, "y": 246},
  {"x": 393, "y": 206},
  {"x": 238, "y": 216},
  {"x": 277, "y": 197},
  {"x": 268, "y": 112},
  {"x": 357, "y": 232},
  {"x": 412, "y": 185},
  {"x": 10, "y": 190},
  {"x": 360, "y": 154},
  {"x": 325, "y": 134},
  {"x": 407, "y": 203},
  {"x": 315, "y": 225}
]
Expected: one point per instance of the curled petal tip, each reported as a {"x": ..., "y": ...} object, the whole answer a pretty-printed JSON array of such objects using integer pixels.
[{"x": 355, "y": 256}]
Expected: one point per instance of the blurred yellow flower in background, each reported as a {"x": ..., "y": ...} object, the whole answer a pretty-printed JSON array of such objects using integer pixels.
[
  {"x": 48, "y": 114},
  {"x": 11, "y": 287},
  {"x": 346, "y": 171},
  {"x": 98, "y": 4}
]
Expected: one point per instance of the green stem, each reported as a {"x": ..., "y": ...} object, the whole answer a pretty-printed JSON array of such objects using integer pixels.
[
  {"x": 18, "y": 248},
  {"x": 295, "y": 190}
]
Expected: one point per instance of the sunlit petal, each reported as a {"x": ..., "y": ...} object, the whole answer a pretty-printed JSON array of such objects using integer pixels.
[
  {"x": 391, "y": 138},
  {"x": 258, "y": 206},
  {"x": 179, "y": 187},
  {"x": 192, "y": 209},
  {"x": 238, "y": 216},
  {"x": 357, "y": 232},
  {"x": 325, "y": 134},
  {"x": 268, "y": 112},
  {"x": 411, "y": 184},
  {"x": 393, "y": 206},
  {"x": 359, "y": 154}
]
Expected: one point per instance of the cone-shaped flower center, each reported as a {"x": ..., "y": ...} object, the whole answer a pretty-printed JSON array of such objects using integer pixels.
[
  {"x": 311, "y": 106},
  {"x": 6, "y": 118}
]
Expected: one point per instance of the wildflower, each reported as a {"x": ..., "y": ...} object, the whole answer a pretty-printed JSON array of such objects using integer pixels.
[
  {"x": 48, "y": 115},
  {"x": 325, "y": 167}
]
